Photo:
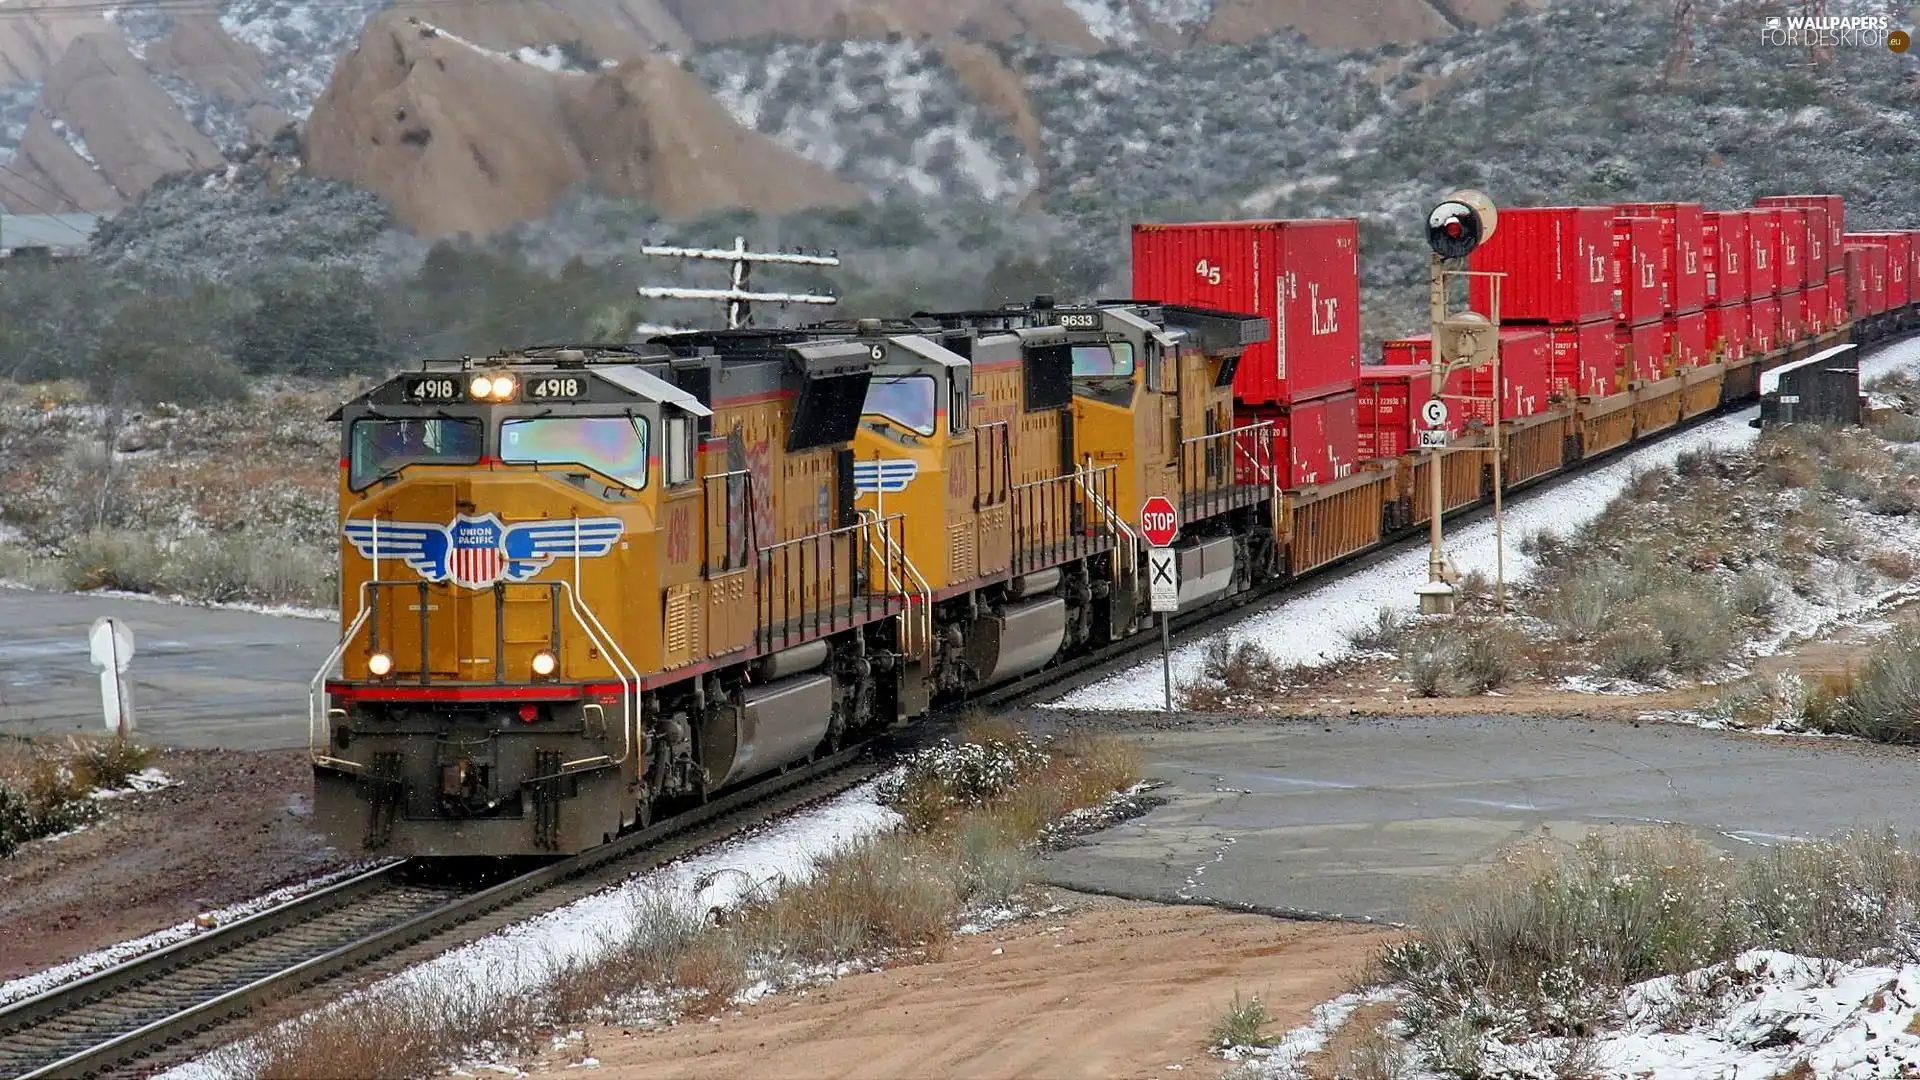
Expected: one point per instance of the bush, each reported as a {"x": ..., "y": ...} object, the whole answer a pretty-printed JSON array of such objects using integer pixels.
[
  {"x": 1241, "y": 1023},
  {"x": 115, "y": 560},
  {"x": 106, "y": 764},
  {"x": 1883, "y": 702},
  {"x": 1464, "y": 656},
  {"x": 1231, "y": 672}
]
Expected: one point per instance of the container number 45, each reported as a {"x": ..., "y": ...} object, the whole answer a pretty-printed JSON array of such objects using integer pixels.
[{"x": 1207, "y": 270}]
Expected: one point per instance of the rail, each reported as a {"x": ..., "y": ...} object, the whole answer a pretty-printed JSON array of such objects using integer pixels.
[
  {"x": 794, "y": 608},
  {"x": 1226, "y": 470}
]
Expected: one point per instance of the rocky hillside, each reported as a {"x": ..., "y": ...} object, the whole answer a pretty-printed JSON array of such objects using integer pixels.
[{"x": 96, "y": 101}]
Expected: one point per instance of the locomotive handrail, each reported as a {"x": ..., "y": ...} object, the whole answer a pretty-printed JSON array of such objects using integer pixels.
[
  {"x": 888, "y": 552},
  {"x": 629, "y": 694},
  {"x": 316, "y": 717},
  {"x": 1084, "y": 478}
]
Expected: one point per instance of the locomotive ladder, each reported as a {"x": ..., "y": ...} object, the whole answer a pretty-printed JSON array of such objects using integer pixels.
[
  {"x": 1083, "y": 477},
  {"x": 905, "y": 586}
]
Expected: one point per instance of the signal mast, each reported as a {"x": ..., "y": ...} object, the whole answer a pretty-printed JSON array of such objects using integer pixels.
[{"x": 738, "y": 297}]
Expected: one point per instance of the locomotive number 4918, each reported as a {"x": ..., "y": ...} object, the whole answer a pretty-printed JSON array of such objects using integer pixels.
[{"x": 554, "y": 387}]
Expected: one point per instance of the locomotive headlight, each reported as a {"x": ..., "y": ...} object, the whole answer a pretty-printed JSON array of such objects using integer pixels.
[
  {"x": 380, "y": 664},
  {"x": 544, "y": 664},
  {"x": 482, "y": 386},
  {"x": 502, "y": 387}
]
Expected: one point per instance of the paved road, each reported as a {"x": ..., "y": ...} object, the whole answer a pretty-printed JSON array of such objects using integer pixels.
[
  {"x": 202, "y": 677},
  {"x": 1366, "y": 818}
]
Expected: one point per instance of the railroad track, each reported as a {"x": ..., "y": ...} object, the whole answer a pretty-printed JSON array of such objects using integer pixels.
[{"x": 165, "y": 1007}]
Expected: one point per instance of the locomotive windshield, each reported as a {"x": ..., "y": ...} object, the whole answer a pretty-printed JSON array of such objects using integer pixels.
[
  {"x": 907, "y": 400},
  {"x": 613, "y": 445},
  {"x": 381, "y": 447},
  {"x": 1095, "y": 360}
]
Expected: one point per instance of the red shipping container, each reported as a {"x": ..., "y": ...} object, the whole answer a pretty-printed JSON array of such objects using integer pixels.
[
  {"x": 1913, "y": 267},
  {"x": 1683, "y": 284},
  {"x": 1636, "y": 270},
  {"x": 1583, "y": 360},
  {"x": 1790, "y": 330},
  {"x": 1303, "y": 276},
  {"x": 1309, "y": 462},
  {"x": 1384, "y": 410},
  {"x": 1813, "y": 261},
  {"x": 1813, "y": 310},
  {"x": 1343, "y": 432},
  {"x": 1416, "y": 353},
  {"x": 1859, "y": 282},
  {"x": 1763, "y": 237},
  {"x": 1525, "y": 369},
  {"x": 1646, "y": 362},
  {"x": 1558, "y": 261},
  {"x": 1688, "y": 334},
  {"x": 1873, "y": 259},
  {"x": 1788, "y": 238},
  {"x": 1836, "y": 221},
  {"x": 1837, "y": 309},
  {"x": 1763, "y": 327},
  {"x": 1728, "y": 329},
  {"x": 1899, "y": 262},
  {"x": 1724, "y": 255}
]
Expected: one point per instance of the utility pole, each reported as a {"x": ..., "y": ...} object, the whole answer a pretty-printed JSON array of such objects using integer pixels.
[
  {"x": 738, "y": 297},
  {"x": 1462, "y": 339},
  {"x": 1822, "y": 49},
  {"x": 1679, "y": 45}
]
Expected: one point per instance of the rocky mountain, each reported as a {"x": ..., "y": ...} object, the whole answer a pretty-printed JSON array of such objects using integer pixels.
[{"x": 96, "y": 101}]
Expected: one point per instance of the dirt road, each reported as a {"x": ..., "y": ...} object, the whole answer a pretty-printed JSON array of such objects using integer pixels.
[{"x": 1110, "y": 990}]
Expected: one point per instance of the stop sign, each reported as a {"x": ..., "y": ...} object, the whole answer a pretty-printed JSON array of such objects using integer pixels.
[{"x": 1158, "y": 521}]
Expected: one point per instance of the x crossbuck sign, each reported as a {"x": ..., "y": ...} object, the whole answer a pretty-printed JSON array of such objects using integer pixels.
[{"x": 1163, "y": 580}]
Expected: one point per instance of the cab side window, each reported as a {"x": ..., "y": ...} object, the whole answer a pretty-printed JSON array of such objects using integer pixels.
[{"x": 679, "y": 449}]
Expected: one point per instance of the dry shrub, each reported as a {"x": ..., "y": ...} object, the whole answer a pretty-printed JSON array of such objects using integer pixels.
[
  {"x": 1234, "y": 672},
  {"x": 115, "y": 560},
  {"x": 1375, "y": 1055},
  {"x": 108, "y": 763},
  {"x": 1242, "y": 1023},
  {"x": 1464, "y": 656},
  {"x": 1882, "y": 701},
  {"x": 415, "y": 1029},
  {"x": 895, "y": 891},
  {"x": 1543, "y": 942}
]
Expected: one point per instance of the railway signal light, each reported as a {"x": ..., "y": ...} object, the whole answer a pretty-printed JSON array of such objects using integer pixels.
[{"x": 1461, "y": 223}]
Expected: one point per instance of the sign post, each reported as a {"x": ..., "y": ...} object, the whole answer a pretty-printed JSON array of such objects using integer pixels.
[
  {"x": 1160, "y": 526},
  {"x": 110, "y": 644}
]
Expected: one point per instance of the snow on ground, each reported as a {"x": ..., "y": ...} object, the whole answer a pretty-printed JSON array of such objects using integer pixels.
[
  {"x": 1764, "y": 1013},
  {"x": 1315, "y": 628},
  {"x": 42, "y": 981},
  {"x": 520, "y": 956},
  {"x": 286, "y": 611}
]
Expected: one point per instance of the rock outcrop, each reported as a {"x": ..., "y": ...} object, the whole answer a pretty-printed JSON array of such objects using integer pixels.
[
  {"x": 105, "y": 132},
  {"x": 461, "y": 138}
]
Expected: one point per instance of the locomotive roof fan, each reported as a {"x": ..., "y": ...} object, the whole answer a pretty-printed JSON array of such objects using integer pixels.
[{"x": 1461, "y": 223}]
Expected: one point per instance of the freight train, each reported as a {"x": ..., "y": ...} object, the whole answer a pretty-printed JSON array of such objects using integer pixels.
[{"x": 585, "y": 586}]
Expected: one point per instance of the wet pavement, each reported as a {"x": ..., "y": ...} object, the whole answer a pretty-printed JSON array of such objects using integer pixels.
[
  {"x": 202, "y": 677},
  {"x": 1367, "y": 817}
]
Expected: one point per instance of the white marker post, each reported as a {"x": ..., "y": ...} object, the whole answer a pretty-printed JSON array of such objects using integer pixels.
[
  {"x": 111, "y": 644},
  {"x": 1160, "y": 525}
]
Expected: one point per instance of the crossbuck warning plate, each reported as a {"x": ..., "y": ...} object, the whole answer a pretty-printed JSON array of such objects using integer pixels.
[{"x": 1163, "y": 580}]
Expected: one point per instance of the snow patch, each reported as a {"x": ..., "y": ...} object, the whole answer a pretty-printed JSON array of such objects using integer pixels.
[
  {"x": 74, "y": 140},
  {"x": 1282, "y": 1060}
]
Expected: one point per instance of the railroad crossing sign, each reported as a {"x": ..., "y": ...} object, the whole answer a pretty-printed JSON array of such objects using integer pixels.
[
  {"x": 1159, "y": 523},
  {"x": 110, "y": 645},
  {"x": 1434, "y": 412},
  {"x": 1163, "y": 580}
]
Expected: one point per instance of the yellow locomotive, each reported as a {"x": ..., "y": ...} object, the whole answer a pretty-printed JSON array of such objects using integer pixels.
[{"x": 584, "y": 585}]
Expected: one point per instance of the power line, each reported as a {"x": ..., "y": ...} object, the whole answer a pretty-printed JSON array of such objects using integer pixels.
[
  {"x": 8, "y": 168},
  {"x": 56, "y": 218}
]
